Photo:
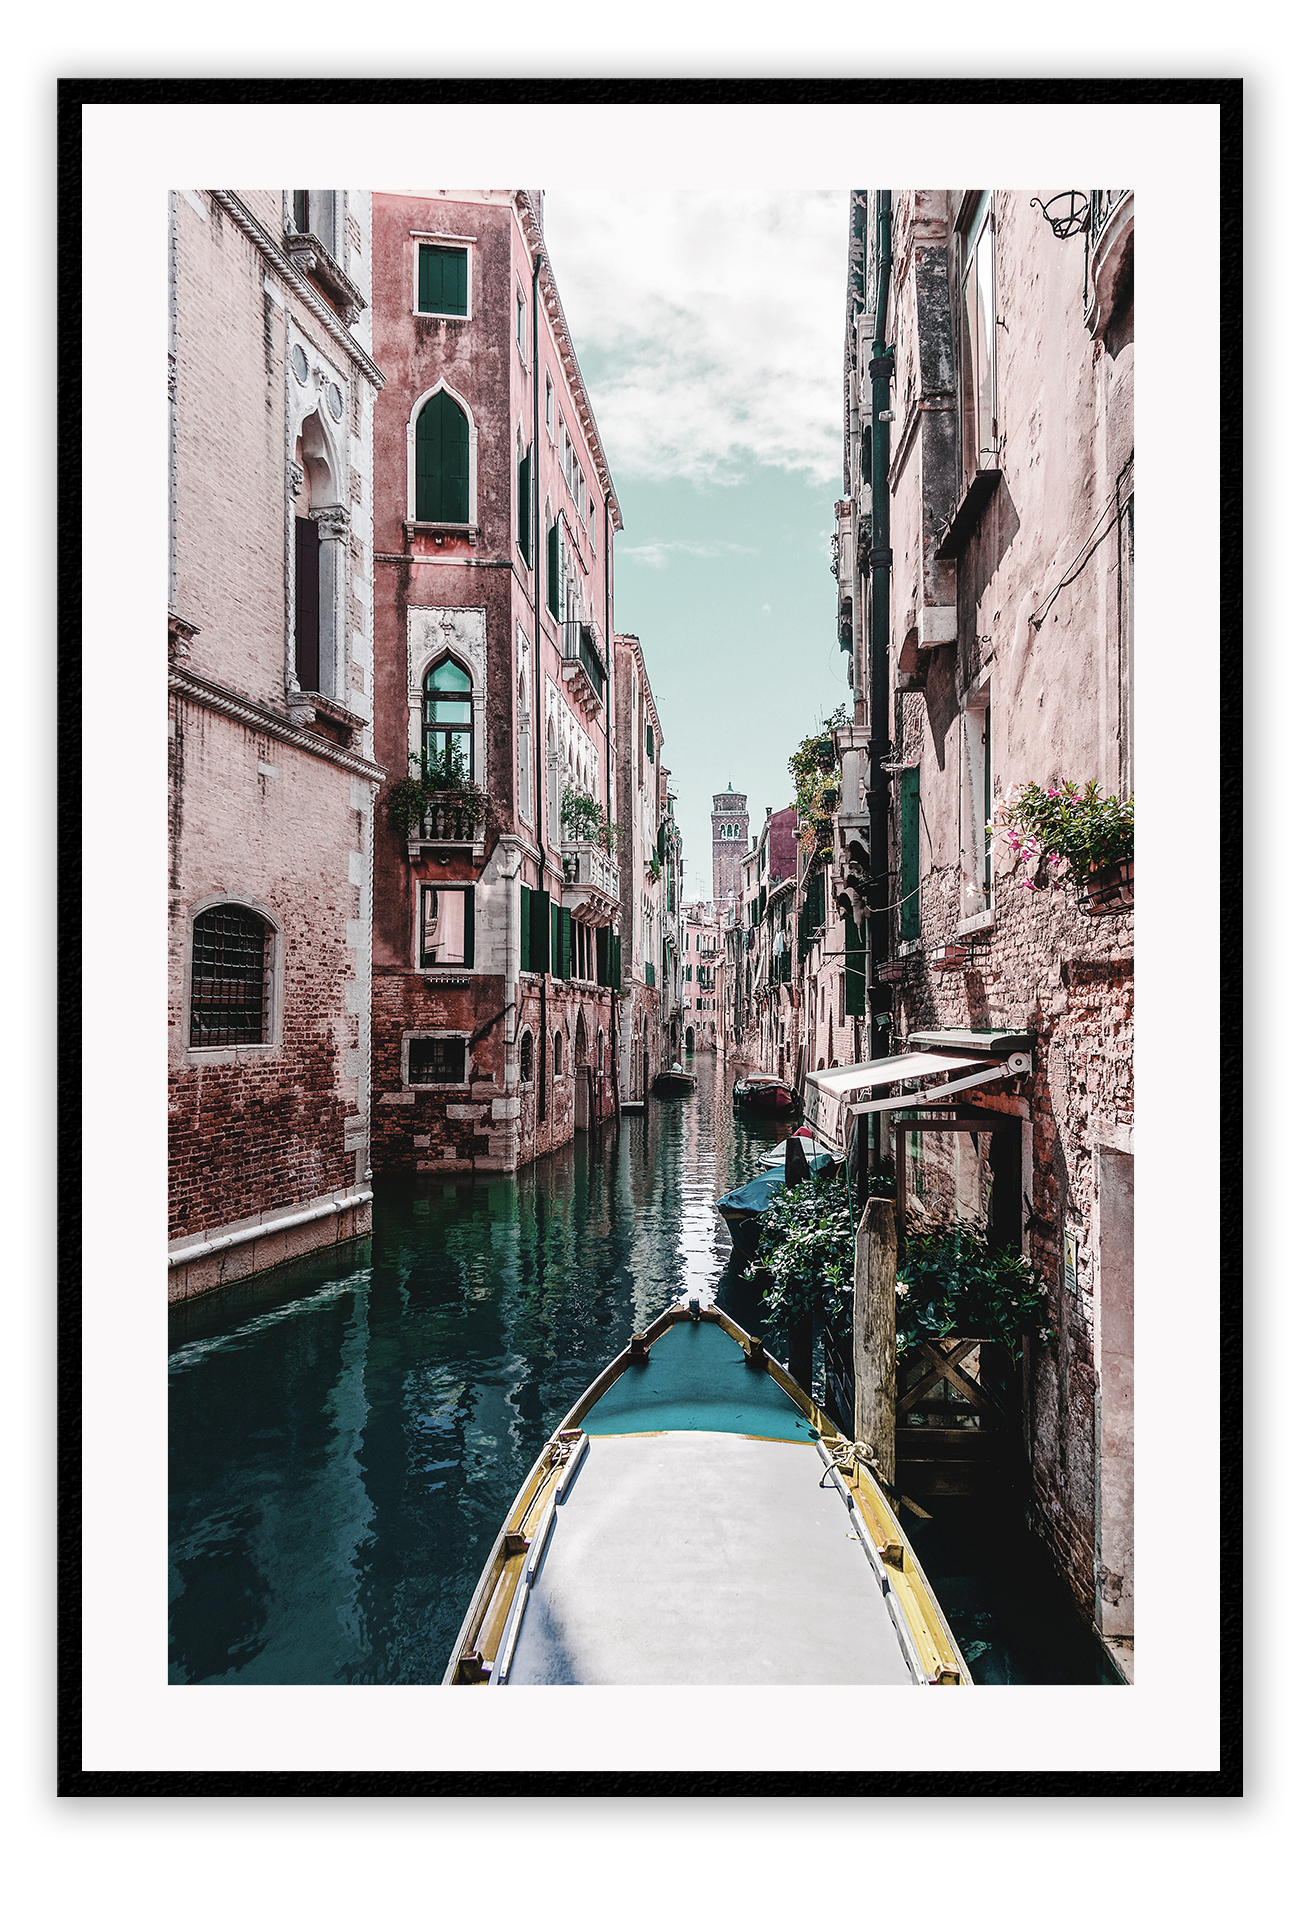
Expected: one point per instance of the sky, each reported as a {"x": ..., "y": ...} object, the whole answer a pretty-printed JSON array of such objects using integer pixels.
[{"x": 710, "y": 330}]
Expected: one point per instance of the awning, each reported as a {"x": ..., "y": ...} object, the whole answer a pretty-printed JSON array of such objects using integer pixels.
[{"x": 833, "y": 1097}]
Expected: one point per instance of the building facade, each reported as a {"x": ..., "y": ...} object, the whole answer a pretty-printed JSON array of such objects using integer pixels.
[
  {"x": 986, "y": 591},
  {"x": 497, "y": 891},
  {"x": 703, "y": 951},
  {"x": 649, "y": 849},
  {"x": 272, "y": 771},
  {"x": 763, "y": 988}
]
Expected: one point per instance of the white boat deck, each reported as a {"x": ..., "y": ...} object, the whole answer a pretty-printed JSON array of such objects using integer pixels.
[{"x": 698, "y": 1556}]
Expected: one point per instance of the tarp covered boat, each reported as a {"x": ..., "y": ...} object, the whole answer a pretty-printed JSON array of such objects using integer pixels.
[
  {"x": 743, "y": 1207},
  {"x": 697, "y": 1519}
]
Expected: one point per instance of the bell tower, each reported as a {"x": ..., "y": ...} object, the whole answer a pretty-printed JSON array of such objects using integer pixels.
[{"x": 730, "y": 839}]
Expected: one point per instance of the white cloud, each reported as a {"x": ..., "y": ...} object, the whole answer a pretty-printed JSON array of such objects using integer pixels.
[
  {"x": 657, "y": 555},
  {"x": 718, "y": 320}
]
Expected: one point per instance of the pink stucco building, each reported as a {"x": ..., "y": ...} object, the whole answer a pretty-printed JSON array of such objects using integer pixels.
[{"x": 497, "y": 951}]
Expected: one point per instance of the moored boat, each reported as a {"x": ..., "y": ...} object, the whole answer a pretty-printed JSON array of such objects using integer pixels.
[
  {"x": 764, "y": 1093},
  {"x": 676, "y": 1083},
  {"x": 744, "y": 1207},
  {"x": 687, "y": 1523}
]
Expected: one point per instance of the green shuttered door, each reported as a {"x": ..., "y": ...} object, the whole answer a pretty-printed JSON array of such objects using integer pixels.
[{"x": 909, "y": 830}]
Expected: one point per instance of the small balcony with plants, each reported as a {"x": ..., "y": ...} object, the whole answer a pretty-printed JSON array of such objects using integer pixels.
[
  {"x": 438, "y": 807},
  {"x": 589, "y": 871}
]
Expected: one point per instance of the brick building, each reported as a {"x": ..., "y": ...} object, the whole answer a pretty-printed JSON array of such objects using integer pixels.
[
  {"x": 986, "y": 603},
  {"x": 497, "y": 897},
  {"x": 272, "y": 777},
  {"x": 762, "y": 990}
]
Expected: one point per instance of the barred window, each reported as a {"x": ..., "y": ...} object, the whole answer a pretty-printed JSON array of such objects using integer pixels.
[
  {"x": 436, "y": 1062},
  {"x": 526, "y": 1056},
  {"x": 230, "y": 979}
]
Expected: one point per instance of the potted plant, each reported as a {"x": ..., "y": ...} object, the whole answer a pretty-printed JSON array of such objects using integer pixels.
[
  {"x": 1063, "y": 831},
  {"x": 582, "y": 818},
  {"x": 445, "y": 786},
  {"x": 816, "y": 778}
]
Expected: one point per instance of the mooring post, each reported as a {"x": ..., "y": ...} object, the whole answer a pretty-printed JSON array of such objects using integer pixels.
[{"x": 875, "y": 1347}]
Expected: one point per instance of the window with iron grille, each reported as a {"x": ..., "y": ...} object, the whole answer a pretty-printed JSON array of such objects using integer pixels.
[
  {"x": 436, "y": 1062},
  {"x": 230, "y": 977}
]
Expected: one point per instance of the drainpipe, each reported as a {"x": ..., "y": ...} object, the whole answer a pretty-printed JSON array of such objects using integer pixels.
[
  {"x": 881, "y": 370},
  {"x": 539, "y": 711}
]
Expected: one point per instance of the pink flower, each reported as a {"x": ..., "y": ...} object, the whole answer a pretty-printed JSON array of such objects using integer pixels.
[{"x": 1028, "y": 885}]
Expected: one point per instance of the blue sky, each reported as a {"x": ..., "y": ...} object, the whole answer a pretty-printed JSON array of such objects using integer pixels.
[{"x": 710, "y": 329}]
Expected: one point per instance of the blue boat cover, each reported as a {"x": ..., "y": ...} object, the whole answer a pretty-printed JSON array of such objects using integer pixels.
[
  {"x": 751, "y": 1200},
  {"x": 697, "y": 1379}
]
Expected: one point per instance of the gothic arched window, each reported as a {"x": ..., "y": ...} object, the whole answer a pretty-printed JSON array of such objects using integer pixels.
[
  {"x": 526, "y": 1056},
  {"x": 448, "y": 726},
  {"x": 442, "y": 462}
]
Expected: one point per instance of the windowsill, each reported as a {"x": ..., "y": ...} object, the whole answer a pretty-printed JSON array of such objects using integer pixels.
[
  {"x": 466, "y": 532},
  {"x": 969, "y": 511},
  {"x": 440, "y": 976},
  {"x": 973, "y": 923}
]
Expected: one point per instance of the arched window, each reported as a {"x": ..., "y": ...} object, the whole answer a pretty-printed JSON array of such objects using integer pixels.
[
  {"x": 580, "y": 1042},
  {"x": 230, "y": 978},
  {"x": 526, "y": 1057},
  {"x": 448, "y": 729},
  {"x": 559, "y": 1053},
  {"x": 442, "y": 462}
]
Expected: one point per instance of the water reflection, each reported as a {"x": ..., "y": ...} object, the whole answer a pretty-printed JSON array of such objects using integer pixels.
[{"x": 346, "y": 1442}]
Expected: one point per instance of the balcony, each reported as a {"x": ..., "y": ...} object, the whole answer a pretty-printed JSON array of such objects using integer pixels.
[
  {"x": 448, "y": 822},
  {"x": 589, "y": 877},
  {"x": 584, "y": 666}
]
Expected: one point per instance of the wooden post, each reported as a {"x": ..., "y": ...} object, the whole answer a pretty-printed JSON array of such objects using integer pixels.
[{"x": 875, "y": 1347}]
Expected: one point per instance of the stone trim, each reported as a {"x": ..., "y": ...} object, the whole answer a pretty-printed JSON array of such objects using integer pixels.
[
  {"x": 236, "y": 210},
  {"x": 226, "y": 701}
]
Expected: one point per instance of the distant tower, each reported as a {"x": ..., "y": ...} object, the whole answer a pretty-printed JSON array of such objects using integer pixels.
[{"x": 730, "y": 841}]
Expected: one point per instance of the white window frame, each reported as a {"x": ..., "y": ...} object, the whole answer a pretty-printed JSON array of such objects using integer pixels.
[
  {"x": 433, "y": 1032},
  {"x": 230, "y": 1055},
  {"x": 449, "y": 241}
]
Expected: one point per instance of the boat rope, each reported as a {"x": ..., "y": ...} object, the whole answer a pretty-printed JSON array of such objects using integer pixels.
[{"x": 846, "y": 1456}]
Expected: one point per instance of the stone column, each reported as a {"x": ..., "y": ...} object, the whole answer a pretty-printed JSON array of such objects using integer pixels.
[
  {"x": 875, "y": 1348},
  {"x": 333, "y": 523}
]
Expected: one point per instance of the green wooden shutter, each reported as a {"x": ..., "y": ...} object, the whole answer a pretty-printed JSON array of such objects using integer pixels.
[
  {"x": 602, "y": 956},
  {"x": 555, "y": 941},
  {"x": 539, "y": 933},
  {"x": 525, "y": 535},
  {"x": 565, "y": 970},
  {"x": 444, "y": 281},
  {"x": 616, "y": 950},
  {"x": 470, "y": 893},
  {"x": 855, "y": 969},
  {"x": 442, "y": 462},
  {"x": 525, "y": 922},
  {"x": 909, "y": 830},
  {"x": 553, "y": 570}
]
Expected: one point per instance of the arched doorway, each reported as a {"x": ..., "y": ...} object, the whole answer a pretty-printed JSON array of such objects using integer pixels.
[
  {"x": 582, "y": 1083},
  {"x": 645, "y": 1061},
  {"x": 690, "y": 1039}
]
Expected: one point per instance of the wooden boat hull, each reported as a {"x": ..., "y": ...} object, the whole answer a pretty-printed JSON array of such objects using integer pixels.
[
  {"x": 674, "y": 1085},
  {"x": 763, "y": 1101},
  {"x": 687, "y": 1523}
]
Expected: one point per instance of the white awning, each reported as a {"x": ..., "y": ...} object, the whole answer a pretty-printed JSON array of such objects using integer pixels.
[{"x": 831, "y": 1098}]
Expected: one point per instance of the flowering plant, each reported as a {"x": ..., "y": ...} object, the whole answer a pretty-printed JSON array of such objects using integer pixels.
[{"x": 1061, "y": 830}]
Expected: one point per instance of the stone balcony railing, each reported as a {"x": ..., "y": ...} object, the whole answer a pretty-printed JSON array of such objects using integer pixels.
[
  {"x": 590, "y": 881},
  {"x": 447, "y": 822}
]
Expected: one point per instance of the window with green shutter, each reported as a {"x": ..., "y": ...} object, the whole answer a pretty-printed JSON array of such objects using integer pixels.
[
  {"x": 525, "y": 532},
  {"x": 525, "y": 924},
  {"x": 564, "y": 943},
  {"x": 442, "y": 462},
  {"x": 650, "y": 741},
  {"x": 909, "y": 835},
  {"x": 616, "y": 951},
  {"x": 855, "y": 969},
  {"x": 539, "y": 932},
  {"x": 444, "y": 281},
  {"x": 603, "y": 962},
  {"x": 553, "y": 570}
]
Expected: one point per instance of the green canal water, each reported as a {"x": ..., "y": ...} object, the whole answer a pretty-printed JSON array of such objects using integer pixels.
[{"x": 346, "y": 1438}]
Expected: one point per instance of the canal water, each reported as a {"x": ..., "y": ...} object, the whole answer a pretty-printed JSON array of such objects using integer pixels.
[{"x": 346, "y": 1438}]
